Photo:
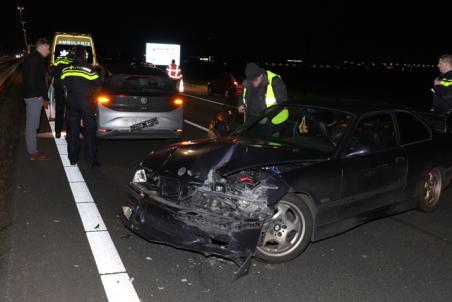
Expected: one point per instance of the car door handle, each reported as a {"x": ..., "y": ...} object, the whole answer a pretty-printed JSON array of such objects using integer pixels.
[{"x": 400, "y": 159}]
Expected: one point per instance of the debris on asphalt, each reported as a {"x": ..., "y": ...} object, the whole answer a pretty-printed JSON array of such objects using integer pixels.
[
  {"x": 132, "y": 279},
  {"x": 56, "y": 220},
  {"x": 148, "y": 258},
  {"x": 161, "y": 287},
  {"x": 183, "y": 280}
]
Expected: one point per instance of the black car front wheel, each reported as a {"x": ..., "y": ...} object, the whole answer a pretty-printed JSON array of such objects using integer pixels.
[
  {"x": 430, "y": 190},
  {"x": 289, "y": 231}
]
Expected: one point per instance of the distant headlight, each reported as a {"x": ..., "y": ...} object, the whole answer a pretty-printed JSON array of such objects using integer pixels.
[{"x": 140, "y": 176}]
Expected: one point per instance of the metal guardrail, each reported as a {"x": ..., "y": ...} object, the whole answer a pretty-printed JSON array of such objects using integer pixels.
[{"x": 8, "y": 66}]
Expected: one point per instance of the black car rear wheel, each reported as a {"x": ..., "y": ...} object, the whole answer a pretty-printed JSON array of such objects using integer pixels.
[
  {"x": 430, "y": 190},
  {"x": 289, "y": 232}
]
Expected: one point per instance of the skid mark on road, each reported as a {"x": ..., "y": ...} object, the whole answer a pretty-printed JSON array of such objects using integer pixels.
[
  {"x": 115, "y": 279},
  {"x": 196, "y": 125},
  {"x": 208, "y": 101}
]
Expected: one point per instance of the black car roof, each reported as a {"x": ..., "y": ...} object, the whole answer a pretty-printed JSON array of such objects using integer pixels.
[
  {"x": 118, "y": 68},
  {"x": 357, "y": 107}
]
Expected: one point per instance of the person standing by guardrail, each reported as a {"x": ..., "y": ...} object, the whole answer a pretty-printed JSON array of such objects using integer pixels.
[
  {"x": 35, "y": 95},
  {"x": 442, "y": 85}
]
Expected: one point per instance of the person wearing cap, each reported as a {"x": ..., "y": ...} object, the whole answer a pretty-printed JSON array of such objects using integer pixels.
[{"x": 262, "y": 89}]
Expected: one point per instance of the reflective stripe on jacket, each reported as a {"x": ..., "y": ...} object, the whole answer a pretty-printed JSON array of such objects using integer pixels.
[
  {"x": 270, "y": 98},
  {"x": 79, "y": 71},
  {"x": 174, "y": 72}
]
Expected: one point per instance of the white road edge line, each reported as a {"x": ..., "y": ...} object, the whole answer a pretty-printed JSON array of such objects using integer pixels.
[
  {"x": 207, "y": 100},
  {"x": 196, "y": 125},
  {"x": 115, "y": 280}
]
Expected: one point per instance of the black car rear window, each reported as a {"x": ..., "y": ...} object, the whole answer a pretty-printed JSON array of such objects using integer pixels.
[{"x": 140, "y": 82}]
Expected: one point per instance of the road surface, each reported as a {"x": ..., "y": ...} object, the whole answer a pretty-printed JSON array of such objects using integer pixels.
[{"x": 48, "y": 257}]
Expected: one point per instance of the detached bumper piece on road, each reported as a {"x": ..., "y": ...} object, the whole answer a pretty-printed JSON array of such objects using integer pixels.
[{"x": 200, "y": 219}]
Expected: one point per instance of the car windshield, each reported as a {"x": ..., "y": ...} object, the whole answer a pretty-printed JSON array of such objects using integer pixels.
[
  {"x": 139, "y": 82},
  {"x": 305, "y": 127}
]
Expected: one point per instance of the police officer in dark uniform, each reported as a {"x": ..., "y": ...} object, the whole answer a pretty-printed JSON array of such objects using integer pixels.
[
  {"x": 81, "y": 81},
  {"x": 442, "y": 86},
  {"x": 60, "y": 101}
]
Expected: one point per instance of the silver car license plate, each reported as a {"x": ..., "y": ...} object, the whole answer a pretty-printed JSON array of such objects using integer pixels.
[{"x": 144, "y": 125}]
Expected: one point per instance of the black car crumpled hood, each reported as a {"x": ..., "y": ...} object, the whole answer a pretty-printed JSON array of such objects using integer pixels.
[{"x": 226, "y": 155}]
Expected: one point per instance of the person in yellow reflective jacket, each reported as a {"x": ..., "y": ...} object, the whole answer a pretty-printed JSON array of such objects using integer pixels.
[
  {"x": 262, "y": 89},
  {"x": 80, "y": 81},
  {"x": 60, "y": 100}
]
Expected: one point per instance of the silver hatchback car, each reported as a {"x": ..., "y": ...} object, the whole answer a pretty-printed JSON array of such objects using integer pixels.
[{"x": 138, "y": 102}]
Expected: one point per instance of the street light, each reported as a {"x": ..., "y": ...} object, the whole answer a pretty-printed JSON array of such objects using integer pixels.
[{"x": 20, "y": 9}]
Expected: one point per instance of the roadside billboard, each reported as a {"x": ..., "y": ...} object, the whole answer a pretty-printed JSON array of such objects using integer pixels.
[{"x": 162, "y": 54}]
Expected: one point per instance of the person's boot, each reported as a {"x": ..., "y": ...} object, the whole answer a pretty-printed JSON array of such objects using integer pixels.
[{"x": 58, "y": 134}]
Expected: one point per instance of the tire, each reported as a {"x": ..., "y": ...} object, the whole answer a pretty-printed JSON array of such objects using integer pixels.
[
  {"x": 430, "y": 190},
  {"x": 209, "y": 91},
  {"x": 289, "y": 232}
]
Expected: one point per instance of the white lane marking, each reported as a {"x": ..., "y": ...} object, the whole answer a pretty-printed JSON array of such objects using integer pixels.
[
  {"x": 91, "y": 219},
  {"x": 115, "y": 280},
  {"x": 80, "y": 192},
  {"x": 62, "y": 149},
  {"x": 117, "y": 287},
  {"x": 105, "y": 254},
  {"x": 65, "y": 160},
  {"x": 207, "y": 100},
  {"x": 61, "y": 140},
  {"x": 196, "y": 125},
  {"x": 73, "y": 174}
]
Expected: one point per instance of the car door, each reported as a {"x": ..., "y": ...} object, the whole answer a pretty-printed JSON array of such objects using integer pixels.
[
  {"x": 416, "y": 140},
  {"x": 374, "y": 166}
]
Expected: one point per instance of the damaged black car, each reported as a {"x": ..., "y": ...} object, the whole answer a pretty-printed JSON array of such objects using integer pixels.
[{"x": 300, "y": 173}]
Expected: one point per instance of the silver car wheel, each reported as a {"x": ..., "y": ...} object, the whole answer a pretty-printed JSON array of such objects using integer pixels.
[
  {"x": 432, "y": 188},
  {"x": 285, "y": 232}
]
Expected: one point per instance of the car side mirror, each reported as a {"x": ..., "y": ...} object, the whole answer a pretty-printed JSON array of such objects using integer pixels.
[{"x": 359, "y": 151}]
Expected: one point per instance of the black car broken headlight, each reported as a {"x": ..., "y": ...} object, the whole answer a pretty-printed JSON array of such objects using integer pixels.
[{"x": 140, "y": 176}]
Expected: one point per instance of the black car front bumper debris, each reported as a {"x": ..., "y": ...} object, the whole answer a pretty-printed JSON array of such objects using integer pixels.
[{"x": 158, "y": 220}]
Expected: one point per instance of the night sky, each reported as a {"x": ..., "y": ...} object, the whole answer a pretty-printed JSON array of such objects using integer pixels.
[{"x": 323, "y": 31}]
